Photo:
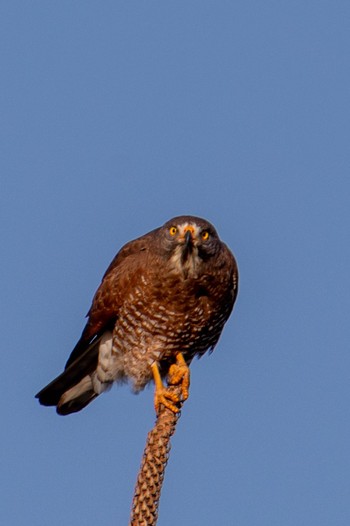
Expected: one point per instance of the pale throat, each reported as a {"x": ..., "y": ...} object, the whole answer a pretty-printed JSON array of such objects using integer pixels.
[{"x": 190, "y": 266}]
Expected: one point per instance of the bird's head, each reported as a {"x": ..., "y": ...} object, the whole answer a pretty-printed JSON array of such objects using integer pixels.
[{"x": 189, "y": 242}]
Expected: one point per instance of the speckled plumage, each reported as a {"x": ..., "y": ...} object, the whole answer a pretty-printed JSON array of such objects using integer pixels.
[{"x": 169, "y": 291}]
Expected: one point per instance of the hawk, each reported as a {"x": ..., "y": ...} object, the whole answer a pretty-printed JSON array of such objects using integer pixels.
[{"x": 164, "y": 299}]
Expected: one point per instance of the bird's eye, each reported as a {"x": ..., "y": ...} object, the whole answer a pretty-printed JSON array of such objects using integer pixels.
[
  {"x": 172, "y": 230},
  {"x": 205, "y": 235}
]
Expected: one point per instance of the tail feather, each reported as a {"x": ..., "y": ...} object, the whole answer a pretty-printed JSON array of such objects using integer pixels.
[
  {"x": 77, "y": 397},
  {"x": 74, "y": 388},
  {"x": 73, "y": 406}
]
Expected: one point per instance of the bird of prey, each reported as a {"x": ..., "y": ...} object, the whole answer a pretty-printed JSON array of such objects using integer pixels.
[{"x": 164, "y": 299}]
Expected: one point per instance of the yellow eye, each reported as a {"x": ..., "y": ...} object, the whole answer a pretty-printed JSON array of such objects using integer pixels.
[
  {"x": 205, "y": 235},
  {"x": 172, "y": 230}
]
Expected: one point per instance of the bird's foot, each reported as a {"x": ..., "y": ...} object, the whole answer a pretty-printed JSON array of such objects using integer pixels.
[
  {"x": 167, "y": 398},
  {"x": 162, "y": 395},
  {"x": 179, "y": 373}
]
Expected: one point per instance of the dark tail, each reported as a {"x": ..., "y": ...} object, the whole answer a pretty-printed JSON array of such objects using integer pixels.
[{"x": 72, "y": 390}]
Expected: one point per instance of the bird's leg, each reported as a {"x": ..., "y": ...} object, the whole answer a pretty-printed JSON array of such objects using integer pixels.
[
  {"x": 162, "y": 395},
  {"x": 179, "y": 372}
]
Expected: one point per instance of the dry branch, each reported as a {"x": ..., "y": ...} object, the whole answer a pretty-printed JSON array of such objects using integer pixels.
[{"x": 151, "y": 474}]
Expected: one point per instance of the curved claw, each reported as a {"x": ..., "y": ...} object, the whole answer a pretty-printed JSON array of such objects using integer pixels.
[
  {"x": 180, "y": 373},
  {"x": 163, "y": 396}
]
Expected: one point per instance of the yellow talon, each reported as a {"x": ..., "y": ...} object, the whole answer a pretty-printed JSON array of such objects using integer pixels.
[
  {"x": 162, "y": 395},
  {"x": 179, "y": 372}
]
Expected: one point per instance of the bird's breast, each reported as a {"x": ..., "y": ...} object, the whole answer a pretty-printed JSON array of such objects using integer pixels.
[{"x": 172, "y": 315}]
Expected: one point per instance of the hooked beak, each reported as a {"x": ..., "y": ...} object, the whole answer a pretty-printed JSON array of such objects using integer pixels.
[
  {"x": 188, "y": 246},
  {"x": 188, "y": 238}
]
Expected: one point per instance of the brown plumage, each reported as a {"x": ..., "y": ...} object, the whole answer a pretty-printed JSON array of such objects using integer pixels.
[{"x": 166, "y": 295}]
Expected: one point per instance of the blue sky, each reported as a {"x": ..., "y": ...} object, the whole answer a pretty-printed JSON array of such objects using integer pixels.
[{"x": 116, "y": 116}]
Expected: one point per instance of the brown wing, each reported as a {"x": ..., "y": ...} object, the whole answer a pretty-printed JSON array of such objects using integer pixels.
[{"x": 116, "y": 283}]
